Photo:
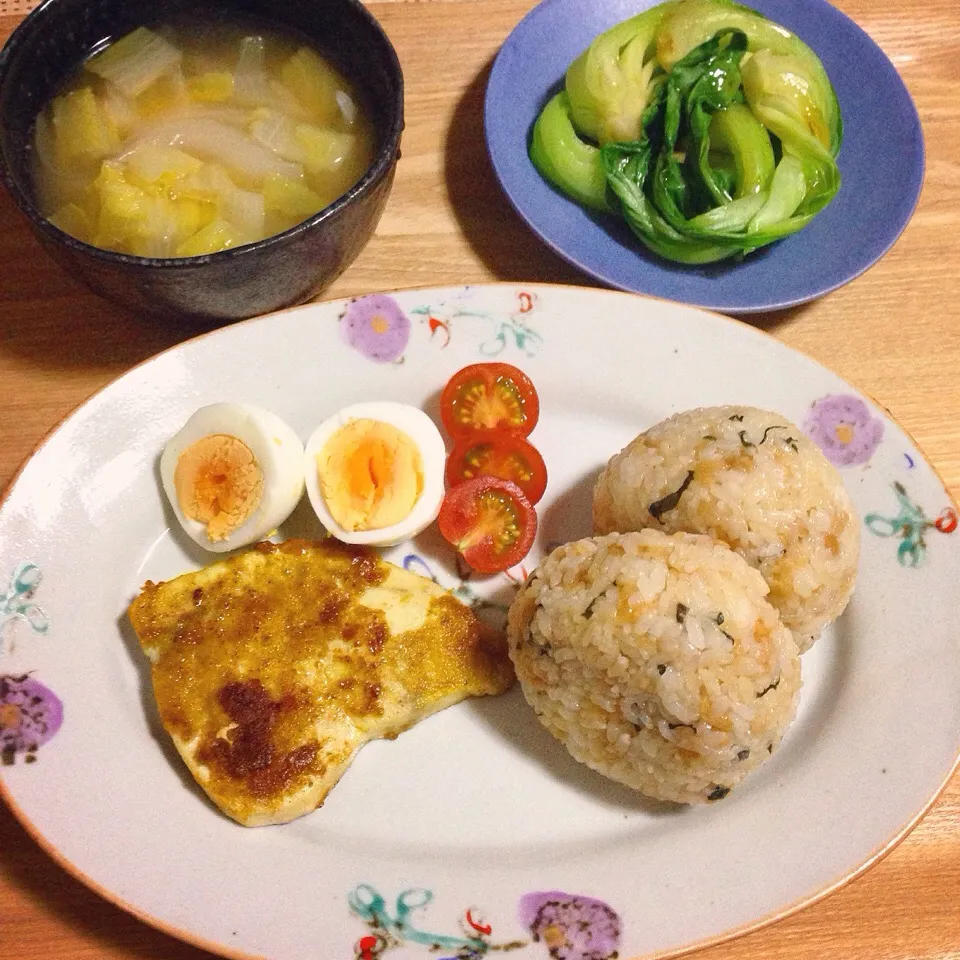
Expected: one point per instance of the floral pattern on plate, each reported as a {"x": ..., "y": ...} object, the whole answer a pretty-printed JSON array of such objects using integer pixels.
[
  {"x": 500, "y": 332},
  {"x": 16, "y": 603},
  {"x": 910, "y": 524},
  {"x": 30, "y": 713},
  {"x": 570, "y": 926},
  {"x": 395, "y": 927},
  {"x": 376, "y": 326},
  {"x": 462, "y": 590},
  {"x": 841, "y": 425}
]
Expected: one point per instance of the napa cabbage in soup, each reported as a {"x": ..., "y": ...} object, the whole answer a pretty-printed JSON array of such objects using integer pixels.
[{"x": 188, "y": 139}]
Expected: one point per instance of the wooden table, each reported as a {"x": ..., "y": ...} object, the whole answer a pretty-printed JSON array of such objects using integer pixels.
[{"x": 894, "y": 332}]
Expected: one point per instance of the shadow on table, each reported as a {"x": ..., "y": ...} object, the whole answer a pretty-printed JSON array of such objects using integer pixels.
[
  {"x": 36, "y": 295},
  {"x": 496, "y": 233},
  {"x": 771, "y": 320},
  {"x": 28, "y": 874}
]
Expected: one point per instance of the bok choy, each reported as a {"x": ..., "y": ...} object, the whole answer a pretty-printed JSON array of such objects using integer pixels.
[{"x": 711, "y": 130}]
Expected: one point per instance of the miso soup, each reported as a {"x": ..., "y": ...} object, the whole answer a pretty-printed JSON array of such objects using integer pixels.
[{"x": 196, "y": 137}]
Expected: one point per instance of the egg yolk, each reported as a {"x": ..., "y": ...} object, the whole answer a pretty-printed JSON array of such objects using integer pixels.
[
  {"x": 219, "y": 483},
  {"x": 371, "y": 475}
]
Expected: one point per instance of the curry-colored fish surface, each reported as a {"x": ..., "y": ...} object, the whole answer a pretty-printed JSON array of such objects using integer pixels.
[{"x": 273, "y": 667}]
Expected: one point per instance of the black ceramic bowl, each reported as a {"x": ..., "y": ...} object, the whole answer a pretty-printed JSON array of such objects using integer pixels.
[{"x": 281, "y": 270}]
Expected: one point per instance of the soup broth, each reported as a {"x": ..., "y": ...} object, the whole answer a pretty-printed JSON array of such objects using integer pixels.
[{"x": 192, "y": 137}]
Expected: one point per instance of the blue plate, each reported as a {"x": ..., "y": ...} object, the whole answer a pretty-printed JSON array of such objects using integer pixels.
[{"x": 881, "y": 162}]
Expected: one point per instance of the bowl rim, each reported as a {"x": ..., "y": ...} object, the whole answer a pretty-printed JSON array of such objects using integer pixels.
[{"x": 387, "y": 154}]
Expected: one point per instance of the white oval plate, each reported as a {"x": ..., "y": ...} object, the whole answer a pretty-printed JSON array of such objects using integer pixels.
[{"x": 474, "y": 831}]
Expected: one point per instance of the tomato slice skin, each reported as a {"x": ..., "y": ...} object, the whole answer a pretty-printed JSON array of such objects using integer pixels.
[
  {"x": 489, "y": 521},
  {"x": 496, "y": 453},
  {"x": 489, "y": 396}
]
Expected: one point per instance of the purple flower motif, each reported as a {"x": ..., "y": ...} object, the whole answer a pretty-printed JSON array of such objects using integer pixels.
[
  {"x": 30, "y": 715},
  {"x": 572, "y": 927},
  {"x": 377, "y": 327},
  {"x": 842, "y": 427}
]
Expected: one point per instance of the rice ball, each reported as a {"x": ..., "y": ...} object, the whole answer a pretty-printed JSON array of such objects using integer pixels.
[
  {"x": 656, "y": 660},
  {"x": 752, "y": 479}
]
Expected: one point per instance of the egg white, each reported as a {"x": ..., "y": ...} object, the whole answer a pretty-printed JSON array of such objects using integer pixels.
[
  {"x": 278, "y": 451},
  {"x": 425, "y": 437}
]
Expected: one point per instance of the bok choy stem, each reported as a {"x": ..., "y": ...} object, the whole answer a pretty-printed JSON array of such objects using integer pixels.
[{"x": 711, "y": 130}]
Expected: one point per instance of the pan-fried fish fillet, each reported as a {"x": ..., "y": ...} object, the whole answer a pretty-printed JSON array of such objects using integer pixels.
[{"x": 271, "y": 668}]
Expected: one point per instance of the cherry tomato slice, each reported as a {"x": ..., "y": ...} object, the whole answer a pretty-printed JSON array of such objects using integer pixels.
[
  {"x": 489, "y": 396},
  {"x": 489, "y": 521},
  {"x": 493, "y": 453}
]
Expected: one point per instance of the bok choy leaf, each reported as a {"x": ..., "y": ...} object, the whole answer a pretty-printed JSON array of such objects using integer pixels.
[{"x": 711, "y": 130}]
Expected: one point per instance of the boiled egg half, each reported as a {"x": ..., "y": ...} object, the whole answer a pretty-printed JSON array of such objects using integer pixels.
[
  {"x": 374, "y": 473},
  {"x": 232, "y": 474}
]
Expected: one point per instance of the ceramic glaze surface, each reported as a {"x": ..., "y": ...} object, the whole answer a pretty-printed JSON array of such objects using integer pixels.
[
  {"x": 474, "y": 833},
  {"x": 881, "y": 163},
  {"x": 285, "y": 269}
]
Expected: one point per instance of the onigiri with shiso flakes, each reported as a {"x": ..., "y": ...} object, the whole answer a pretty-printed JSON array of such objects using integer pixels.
[
  {"x": 751, "y": 479},
  {"x": 656, "y": 660}
]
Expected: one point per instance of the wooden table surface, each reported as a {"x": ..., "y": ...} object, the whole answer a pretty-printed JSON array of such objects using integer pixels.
[{"x": 894, "y": 332}]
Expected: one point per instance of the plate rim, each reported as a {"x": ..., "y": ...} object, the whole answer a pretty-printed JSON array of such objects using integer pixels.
[
  {"x": 755, "y": 308},
  {"x": 726, "y": 936},
  {"x": 735, "y": 933}
]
